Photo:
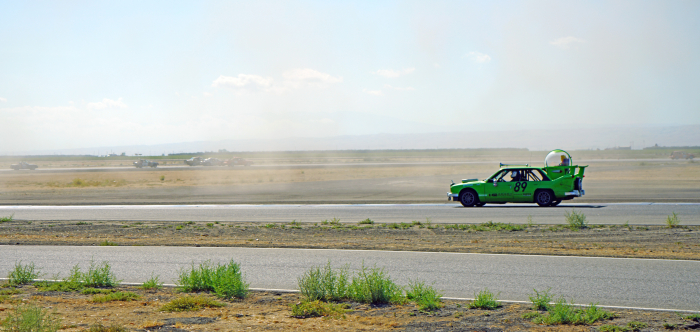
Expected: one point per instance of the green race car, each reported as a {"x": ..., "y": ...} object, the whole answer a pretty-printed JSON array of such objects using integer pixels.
[{"x": 558, "y": 180}]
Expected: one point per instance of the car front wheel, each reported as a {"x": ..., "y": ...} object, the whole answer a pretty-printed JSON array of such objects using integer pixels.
[
  {"x": 468, "y": 198},
  {"x": 543, "y": 198}
]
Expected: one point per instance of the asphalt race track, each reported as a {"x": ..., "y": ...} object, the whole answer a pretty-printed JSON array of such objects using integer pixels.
[
  {"x": 647, "y": 283},
  {"x": 603, "y": 213}
]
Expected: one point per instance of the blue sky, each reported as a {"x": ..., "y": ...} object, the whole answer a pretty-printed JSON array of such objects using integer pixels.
[{"x": 99, "y": 73}]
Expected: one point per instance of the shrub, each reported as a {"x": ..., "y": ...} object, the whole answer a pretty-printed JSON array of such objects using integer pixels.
[
  {"x": 485, "y": 300},
  {"x": 564, "y": 313},
  {"x": 672, "y": 221},
  {"x": 426, "y": 297},
  {"x": 306, "y": 309},
  {"x": 375, "y": 287},
  {"x": 117, "y": 296},
  {"x": 224, "y": 280},
  {"x": 576, "y": 220},
  {"x": 612, "y": 328},
  {"x": 30, "y": 318},
  {"x": 99, "y": 275},
  {"x": 152, "y": 283},
  {"x": 23, "y": 274},
  {"x": 541, "y": 300},
  {"x": 93, "y": 291},
  {"x": 636, "y": 326},
  {"x": 190, "y": 303},
  {"x": 324, "y": 284},
  {"x": 366, "y": 222}
]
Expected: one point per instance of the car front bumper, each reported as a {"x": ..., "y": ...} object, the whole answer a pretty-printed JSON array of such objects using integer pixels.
[
  {"x": 576, "y": 193},
  {"x": 452, "y": 197}
]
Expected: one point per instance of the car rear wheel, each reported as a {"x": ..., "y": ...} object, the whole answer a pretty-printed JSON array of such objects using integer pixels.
[
  {"x": 543, "y": 198},
  {"x": 468, "y": 198}
]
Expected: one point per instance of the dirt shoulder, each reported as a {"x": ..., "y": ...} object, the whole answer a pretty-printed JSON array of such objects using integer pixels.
[
  {"x": 601, "y": 241},
  {"x": 271, "y": 311}
]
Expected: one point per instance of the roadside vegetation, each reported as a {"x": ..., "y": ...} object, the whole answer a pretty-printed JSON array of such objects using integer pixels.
[
  {"x": 7, "y": 218},
  {"x": 560, "y": 312},
  {"x": 325, "y": 291},
  {"x": 225, "y": 280}
]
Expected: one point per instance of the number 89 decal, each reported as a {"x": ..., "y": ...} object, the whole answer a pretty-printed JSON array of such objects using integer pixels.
[{"x": 520, "y": 185}]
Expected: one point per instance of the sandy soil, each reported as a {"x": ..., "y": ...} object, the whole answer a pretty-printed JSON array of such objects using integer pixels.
[
  {"x": 605, "y": 182},
  {"x": 600, "y": 241},
  {"x": 271, "y": 311}
]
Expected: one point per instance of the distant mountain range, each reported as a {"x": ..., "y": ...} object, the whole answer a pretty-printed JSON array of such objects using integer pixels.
[{"x": 575, "y": 138}]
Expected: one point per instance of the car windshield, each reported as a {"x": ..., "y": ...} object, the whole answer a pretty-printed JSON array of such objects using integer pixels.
[{"x": 557, "y": 158}]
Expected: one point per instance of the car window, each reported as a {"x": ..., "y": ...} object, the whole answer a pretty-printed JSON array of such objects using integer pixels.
[{"x": 536, "y": 175}]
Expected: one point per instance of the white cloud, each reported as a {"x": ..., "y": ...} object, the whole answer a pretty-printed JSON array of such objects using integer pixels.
[
  {"x": 389, "y": 73},
  {"x": 4, "y": 100},
  {"x": 207, "y": 94},
  {"x": 408, "y": 88},
  {"x": 566, "y": 42},
  {"x": 310, "y": 75},
  {"x": 243, "y": 81},
  {"x": 107, "y": 103},
  {"x": 478, "y": 57},
  {"x": 373, "y": 92}
]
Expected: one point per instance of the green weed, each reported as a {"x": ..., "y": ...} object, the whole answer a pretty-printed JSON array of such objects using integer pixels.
[
  {"x": 426, "y": 297},
  {"x": 116, "y": 296},
  {"x": 366, "y": 222},
  {"x": 540, "y": 300},
  {"x": 152, "y": 283},
  {"x": 564, "y": 313},
  {"x": 93, "y": 291},
  {"x": 612, "y": 328},
  {"x": 375, "y": 287},
  {"x": 576, "y": 220},
  {"x": 23, "y": 274},
  {"x": 637, "y": 326},
  {"x": 190, "y": 303},
  {"x": 8, "y": 218},
  {"x": 99, "y": 275},
  {"x": 306, "y": 309},
  {"x": 322, "y": 283},
  {"x": 485, "y": 300},
  {"x": 673, "y": 221},
  {"x": 30, "y": 318},
  {"x": 109, "y": 243},
  {"x": 225, "y": 280}
]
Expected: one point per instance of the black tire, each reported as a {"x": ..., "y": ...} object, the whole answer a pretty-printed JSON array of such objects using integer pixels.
[
  {"x": 555, "y": 203},
  {"x": 468, "y": 198},
  {"x": 480, "y": 204},
  {"x": 544, "y": 198}
]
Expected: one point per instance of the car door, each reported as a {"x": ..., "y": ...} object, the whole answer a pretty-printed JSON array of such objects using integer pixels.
[{"x": 499, "y": 189}]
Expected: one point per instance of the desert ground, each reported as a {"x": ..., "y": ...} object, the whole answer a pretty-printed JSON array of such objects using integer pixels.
[{"x": 344, "y": 178}]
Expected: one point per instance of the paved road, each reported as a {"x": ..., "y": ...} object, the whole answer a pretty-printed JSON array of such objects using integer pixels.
[
  {"x": 645, "y": 283},
  {"x": 611, "y": 213}
]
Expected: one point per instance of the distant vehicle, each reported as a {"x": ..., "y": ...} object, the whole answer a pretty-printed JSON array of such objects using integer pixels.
[
  {"x": 212, "y": 162},
  {"x": 141, "y": 163},
  {"x": 681, "y": 155},
  {"x": 23, "y": 165},
  {"x": 237, "y": 161},
  {"x": 194, "y": 161},
  {"x": 558, "y": 180}
]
